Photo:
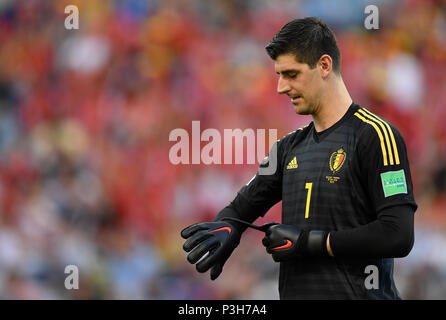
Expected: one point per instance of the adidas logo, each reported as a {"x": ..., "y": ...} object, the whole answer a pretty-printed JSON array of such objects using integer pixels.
[{"x": 292, "y": 164}]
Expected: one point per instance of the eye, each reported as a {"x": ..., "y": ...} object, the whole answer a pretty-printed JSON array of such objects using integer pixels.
[{"x": 292, "y": 75}]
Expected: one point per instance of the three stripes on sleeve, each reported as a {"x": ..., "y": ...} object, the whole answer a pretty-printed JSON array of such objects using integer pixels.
[{"x": 385, "y": 134}]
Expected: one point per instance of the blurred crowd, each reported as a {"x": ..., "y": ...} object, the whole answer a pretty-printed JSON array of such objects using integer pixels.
[{"x": 85, "y": 117}]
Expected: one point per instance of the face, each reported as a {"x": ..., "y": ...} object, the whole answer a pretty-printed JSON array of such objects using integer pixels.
[{"x": 299, "y": 82}]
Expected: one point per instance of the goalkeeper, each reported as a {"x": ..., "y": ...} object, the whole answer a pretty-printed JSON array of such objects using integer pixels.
[{"x": 344, "y": 182}]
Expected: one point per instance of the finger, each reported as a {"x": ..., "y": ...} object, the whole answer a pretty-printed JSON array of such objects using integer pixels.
[
  {"x": 277, "y": 258},
  {"x": 216, "y": 271},
  {"x": 209, "y": 261},
  {"x": 190, "y": 230},
  {"x": 199, "y": 251},
  {"x": 196, "y": 239},
  {"x": 266, "y": 241}
]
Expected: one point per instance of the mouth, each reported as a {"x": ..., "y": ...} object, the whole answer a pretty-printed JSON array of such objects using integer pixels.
[{"x": 295, "y": 99}]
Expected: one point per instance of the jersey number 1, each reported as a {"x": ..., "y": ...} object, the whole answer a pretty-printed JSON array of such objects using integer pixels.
[{"x": 308, "y": 186}]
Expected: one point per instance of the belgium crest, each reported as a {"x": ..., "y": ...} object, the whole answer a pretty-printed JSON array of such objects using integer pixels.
[{"x": 337, "y": 159}]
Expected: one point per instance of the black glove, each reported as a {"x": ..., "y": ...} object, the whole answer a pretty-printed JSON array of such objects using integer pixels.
[
  {"x": 285, "y": 242},
  {"x": 218, "y": 238}
]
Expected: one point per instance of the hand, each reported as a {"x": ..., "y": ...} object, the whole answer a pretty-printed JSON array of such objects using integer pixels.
[
  {"x": 218, "y": 238},
  {"x": 284, "y": 242}
]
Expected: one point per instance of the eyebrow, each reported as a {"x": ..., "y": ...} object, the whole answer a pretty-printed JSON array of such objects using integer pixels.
[{"x": 288, "y": 71}]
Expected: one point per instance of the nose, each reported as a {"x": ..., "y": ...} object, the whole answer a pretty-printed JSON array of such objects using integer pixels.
[{"x": 282, "y": 86}]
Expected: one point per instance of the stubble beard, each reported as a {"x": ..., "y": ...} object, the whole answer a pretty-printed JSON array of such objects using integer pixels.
[{"x": 302, "y": 109}]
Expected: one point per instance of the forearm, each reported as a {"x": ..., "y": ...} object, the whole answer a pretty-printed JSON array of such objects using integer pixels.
[
  {"x": 241, "y": 208},
  {"x": 391, "y": 235}
]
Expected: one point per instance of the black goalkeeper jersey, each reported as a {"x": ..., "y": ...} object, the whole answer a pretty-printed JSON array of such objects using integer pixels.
[{"x": 333, "y": 180}]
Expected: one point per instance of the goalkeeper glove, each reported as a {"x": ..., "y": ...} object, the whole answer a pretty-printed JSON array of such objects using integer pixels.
[
  {"x": 219, "y": 238},
  {"x": 285, "y": 242}
]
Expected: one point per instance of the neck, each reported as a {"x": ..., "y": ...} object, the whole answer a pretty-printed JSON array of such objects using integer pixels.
[{"x": 333, "y": 106}]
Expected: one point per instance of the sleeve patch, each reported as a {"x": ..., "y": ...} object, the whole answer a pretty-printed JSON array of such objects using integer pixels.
[{"x": 393, "y": 182}]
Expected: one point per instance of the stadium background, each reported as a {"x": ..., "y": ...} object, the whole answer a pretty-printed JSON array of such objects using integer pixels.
[{"x": 85, "y": 117}]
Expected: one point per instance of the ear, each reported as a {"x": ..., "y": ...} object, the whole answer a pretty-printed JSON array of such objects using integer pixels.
[{"x": 325, "y": 65}]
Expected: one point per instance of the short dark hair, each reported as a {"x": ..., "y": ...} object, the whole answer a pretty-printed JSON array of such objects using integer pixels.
[{"x": 308, "y": 39}]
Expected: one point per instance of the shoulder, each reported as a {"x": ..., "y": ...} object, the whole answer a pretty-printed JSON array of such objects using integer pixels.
[
  {"x": 371, "y": 126},
  {"x": 294, "y": 136},
  {"x": 376, "y": 133}
]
